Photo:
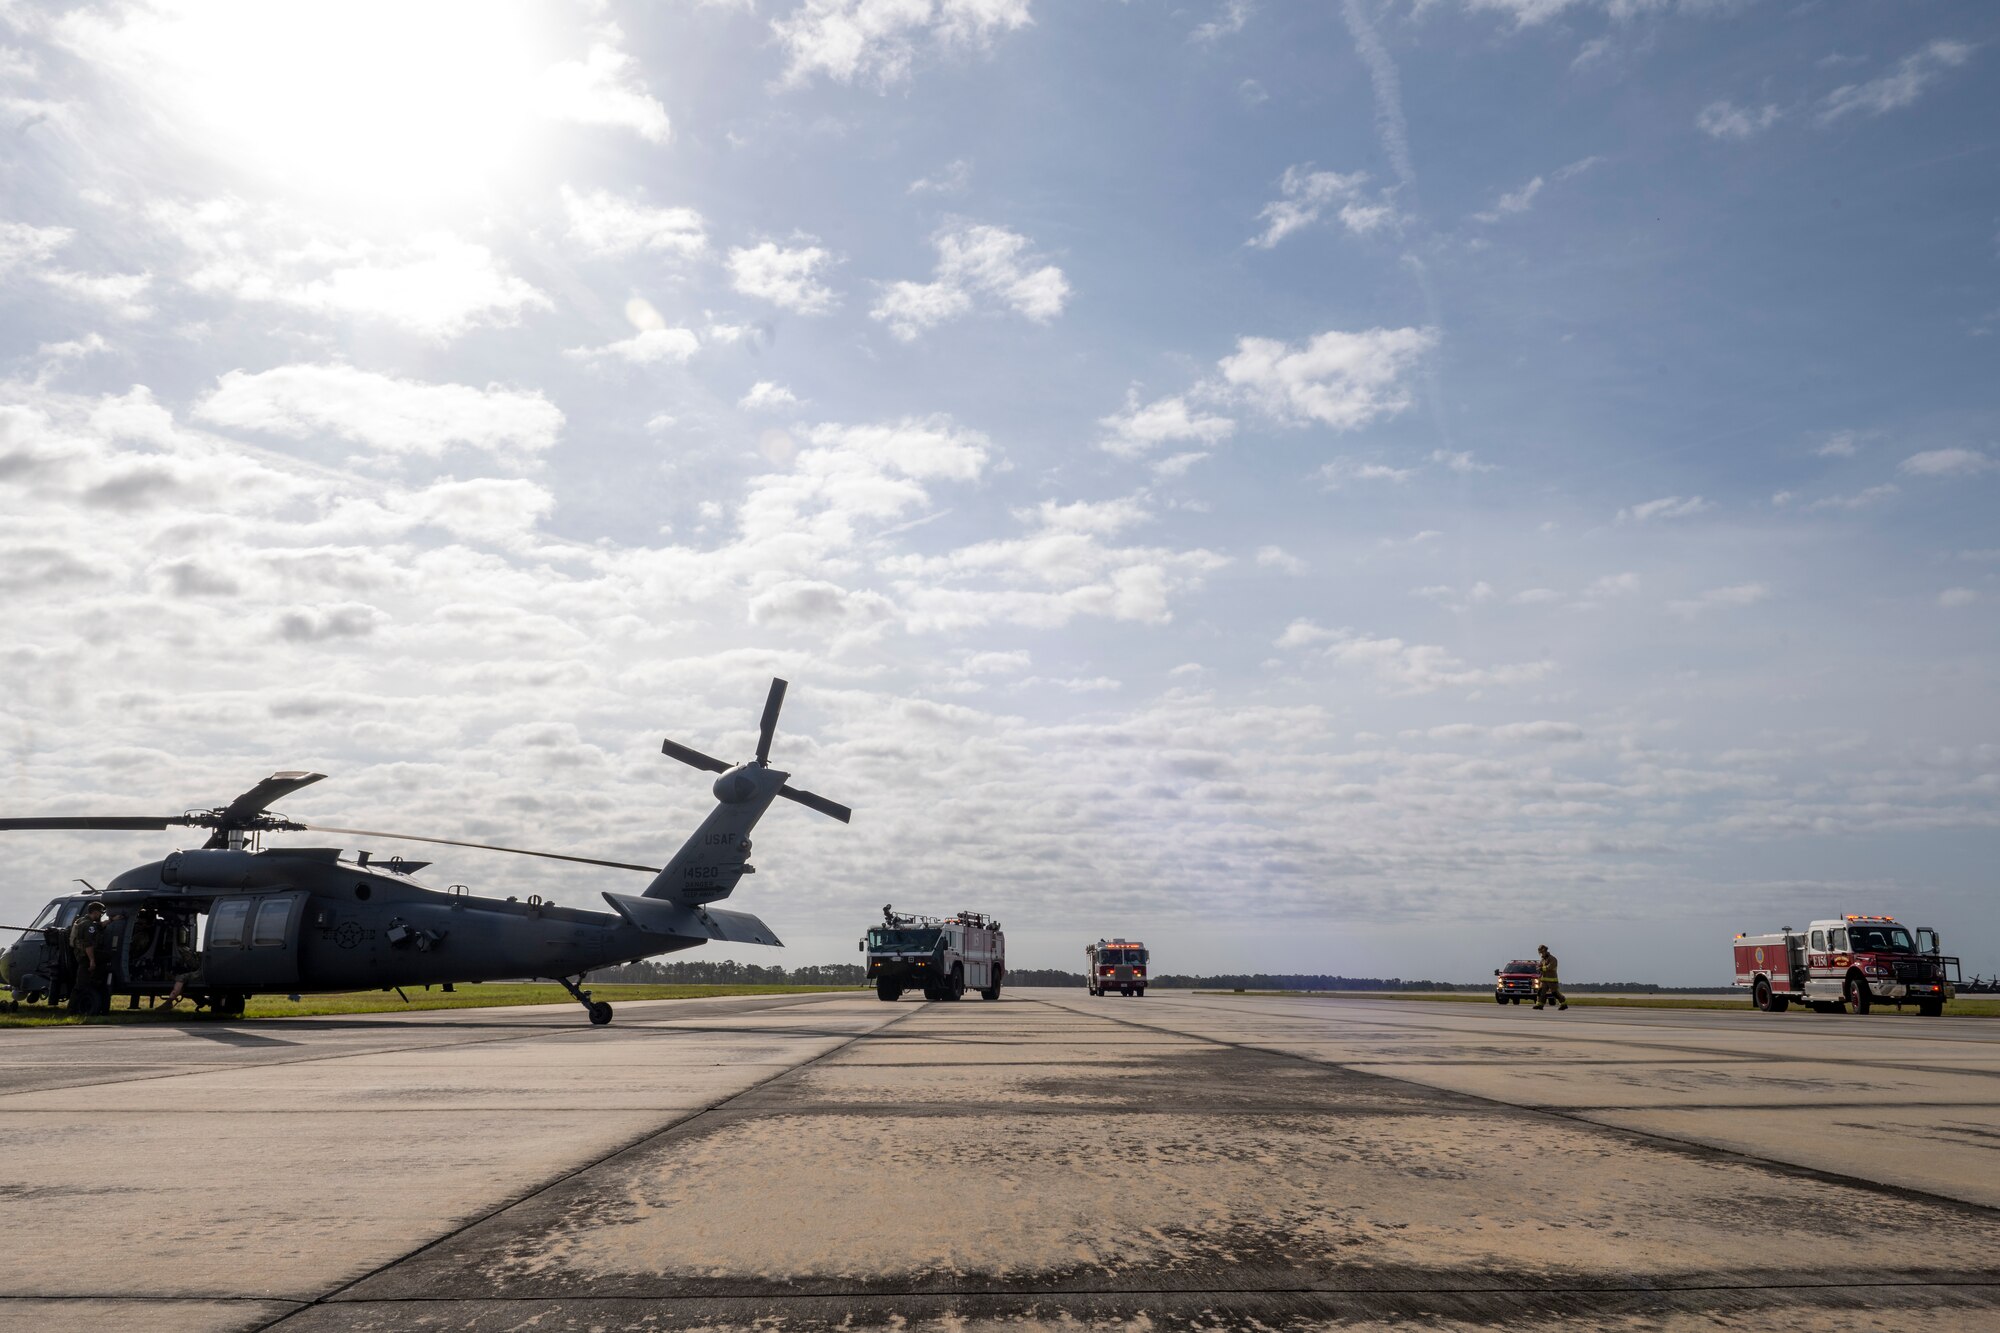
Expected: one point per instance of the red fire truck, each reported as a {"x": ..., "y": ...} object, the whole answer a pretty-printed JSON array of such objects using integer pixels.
[
  {"x": 1516, "y": 981},
  {"x": 1117, "y": 965},
  {"x": 1846, "y": 963}
]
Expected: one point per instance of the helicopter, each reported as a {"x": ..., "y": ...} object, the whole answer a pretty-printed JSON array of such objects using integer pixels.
[{"x": 296, "y": 920}]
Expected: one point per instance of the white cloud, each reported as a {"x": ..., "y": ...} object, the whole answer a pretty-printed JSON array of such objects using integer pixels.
[
  {"x": 1408, "y": 669},
  {"x": 1525, "y": 13},
  {"x": 1235, "y": 14},
  {"x": 388, "y": 415},
  {"x": 603, "y": 89},
  {"x": 119, "y": 293},
  {"x": 435, "y": 285},
  {"x": 1339, "y": 471},
  {"x": 1742, "y": 594},
  {"x": 1898, "y": 89},
  {"x": 1141, "y": 429},
  {"x": 1542, "y": 732},
  {"x": 1841, "y": 444},
  {"x": 1946, "y": 463},
  {"x": 1725, "y": 120},
  {"x": 788, "y": 278},
  {"x": 851, "y": 40},
  {"x": 1461, "y": 461},
  {"x": 956, "y": 178},
  {"x": 604, "y": 224},
  {"x": 1514, "y": 201},
  {"x": 1612, "y": 585},
  {"x": 974, "y": 260},
  {"x": 767, "y": 396},
  {"x": 1671, "y": 506},
  {"x": 22, "y": 244},
  {"x": 1276, "y": 557},
  {"x": 1342, "y": 380},
  {"x": 1958, "y": 597},
  {"x": 501, "y": 511},
  {"x": 323, "y": 624},
  {"x": 647, "y": 347},
  {"x": 1307, "y": 194},
  {"x": 817, "y": 605},
  {"x": 1859, "y": 500},
  {"x": 1178, "y": 465}
]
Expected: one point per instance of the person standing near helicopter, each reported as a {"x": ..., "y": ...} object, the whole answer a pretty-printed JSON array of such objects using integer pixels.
[{"x": 89, "y": 938}]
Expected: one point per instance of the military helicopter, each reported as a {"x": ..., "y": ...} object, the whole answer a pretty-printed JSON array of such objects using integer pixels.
[{"x": 293, "y": 920}]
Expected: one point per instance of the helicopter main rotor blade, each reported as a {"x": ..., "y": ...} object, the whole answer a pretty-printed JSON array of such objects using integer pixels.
[
  {"x": 675, "y": 750},
  {"x": 239, "y": 812},
  {"x": 480, "y": 846},
  {"x": 134, "y": 823},
  {"x": 772, "y": 703},
  {"x": 815, "y": 802}
]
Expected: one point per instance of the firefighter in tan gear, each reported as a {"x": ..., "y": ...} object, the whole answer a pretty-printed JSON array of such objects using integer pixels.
[{"x": 1547, "y": 987}]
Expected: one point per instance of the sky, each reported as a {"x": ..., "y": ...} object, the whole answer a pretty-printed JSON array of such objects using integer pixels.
[{"x": 1356, "y": 487}]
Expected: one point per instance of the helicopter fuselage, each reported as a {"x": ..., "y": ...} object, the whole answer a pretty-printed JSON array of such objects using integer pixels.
[{"x": 299, "y": 920}]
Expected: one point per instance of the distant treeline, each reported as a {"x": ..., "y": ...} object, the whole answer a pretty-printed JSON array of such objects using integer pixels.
[{"x": 730, "y": 973}]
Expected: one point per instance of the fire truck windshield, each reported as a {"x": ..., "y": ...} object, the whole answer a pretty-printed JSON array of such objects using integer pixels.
[
  {"x": 882, "y": 940},
  {"x": 1880, "y": 939},
  {"x": 1122, "y": 957}
]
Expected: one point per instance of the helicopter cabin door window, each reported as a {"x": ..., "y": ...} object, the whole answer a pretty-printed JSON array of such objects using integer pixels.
[
  {"x": 226, "y": 922},
  {"x": 274, "y": 922}
]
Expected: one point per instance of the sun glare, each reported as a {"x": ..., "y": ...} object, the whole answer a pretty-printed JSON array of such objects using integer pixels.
[{"x": 389, "y": 105}]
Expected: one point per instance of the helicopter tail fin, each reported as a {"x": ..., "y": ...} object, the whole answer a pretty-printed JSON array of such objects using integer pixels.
[{"x": 716, "y": 855}]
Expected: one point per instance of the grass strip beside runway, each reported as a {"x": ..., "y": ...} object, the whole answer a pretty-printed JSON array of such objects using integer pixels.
[
  {"x": 470, "y": 996},
  {"x": 1972, "y": 1006}
]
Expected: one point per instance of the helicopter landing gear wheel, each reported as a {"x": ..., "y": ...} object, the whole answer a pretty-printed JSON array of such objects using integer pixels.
[{"x": 599, "y": 1011}]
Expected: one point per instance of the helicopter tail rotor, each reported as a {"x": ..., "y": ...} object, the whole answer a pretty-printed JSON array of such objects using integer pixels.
[{"x": 716, "y": 856}]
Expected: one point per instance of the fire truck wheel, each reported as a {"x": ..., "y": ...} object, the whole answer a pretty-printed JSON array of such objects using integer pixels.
[
  {"x": 1931, "y": 1008},
  {"x": 1760, "y": 995},
  {"x": 1499, "y": 999},
  {"x": 884, "y": 991},
  {"x": 990, "y": 993},
  {"x": 1856, "y": 993},
  {"x": 956, "y": 990}
]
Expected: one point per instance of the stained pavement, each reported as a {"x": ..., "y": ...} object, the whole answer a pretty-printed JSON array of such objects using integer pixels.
[{"x": 1176, "y": 1161}]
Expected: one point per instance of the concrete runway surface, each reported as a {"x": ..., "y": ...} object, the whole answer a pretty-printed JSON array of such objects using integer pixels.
[{"x": 1181, "y": 1161}]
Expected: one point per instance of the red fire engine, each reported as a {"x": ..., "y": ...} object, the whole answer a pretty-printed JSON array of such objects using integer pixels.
[
  {"x": 1846, "y": 963},
  {"x": 1117, "y": 965}
]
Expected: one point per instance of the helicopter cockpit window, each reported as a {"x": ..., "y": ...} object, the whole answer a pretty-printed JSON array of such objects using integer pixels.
[
  {"x": 225, "y": 925},
  {"x": 274, "y": 918},
  {"x": 66, "y": 913},
  {"x": 46, "y": 916}
]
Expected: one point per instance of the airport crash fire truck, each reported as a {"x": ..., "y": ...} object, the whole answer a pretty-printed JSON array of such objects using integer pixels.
[
  {"x": 942, "y": 958},
  {"x": 1117, "y": 965},
  {"x": 1516, "y": 981},
  {"x": 1850, "y": 962}
]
